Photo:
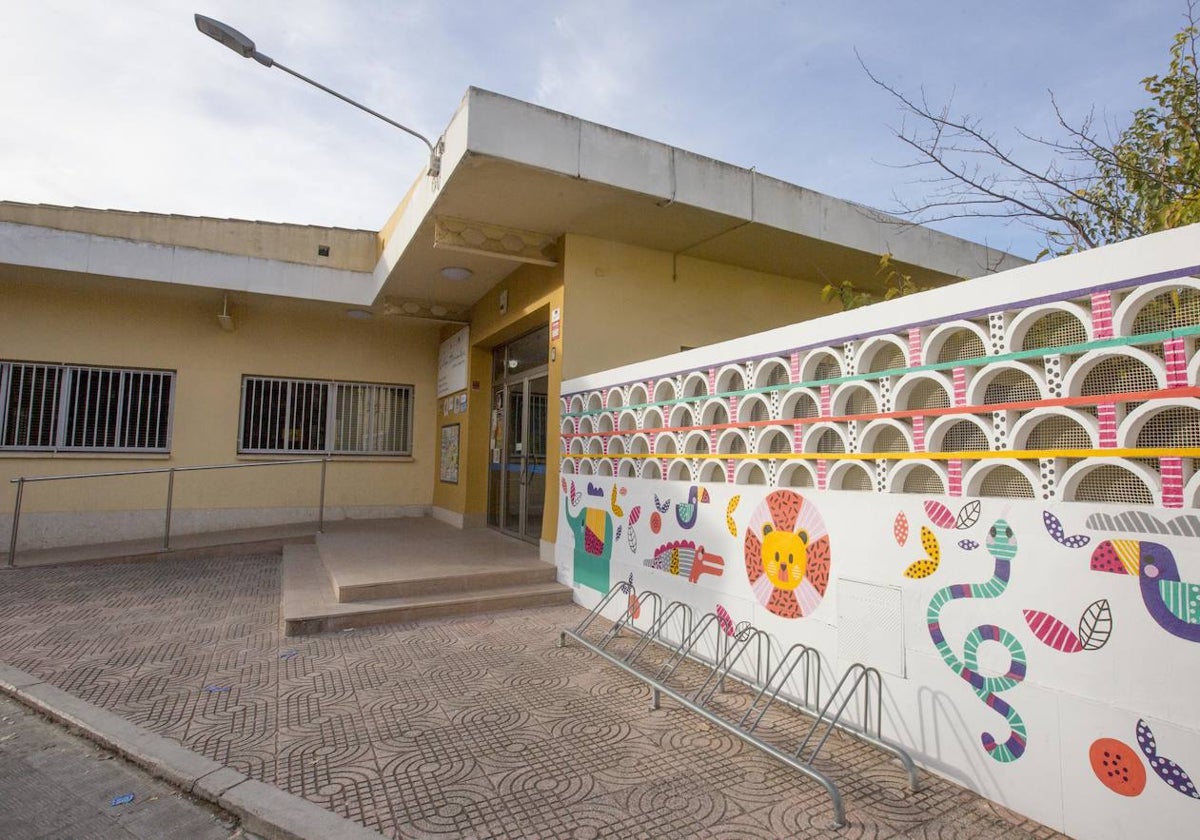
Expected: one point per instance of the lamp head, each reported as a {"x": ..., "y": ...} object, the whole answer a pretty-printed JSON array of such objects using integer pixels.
[{"x": 225, "y": 34}]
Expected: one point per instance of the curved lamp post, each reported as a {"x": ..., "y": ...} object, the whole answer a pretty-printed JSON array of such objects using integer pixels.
[{"x": 243, "y": 46}]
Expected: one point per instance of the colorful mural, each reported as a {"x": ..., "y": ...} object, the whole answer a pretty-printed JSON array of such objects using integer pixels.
[
  {"x": 787, "y": 554},
  {"x": 1095, "y": 628},
  {"x": 594, "y": 538},
  {"x": 1167, "y": 770},
  {"x": 1071, "y": 418},
  {"x": 1117, "y": 766},
  {"x": 1002, "y": 545},
  {"x": 1173, "y": 603},
  {"x": 684, "y": 557}
]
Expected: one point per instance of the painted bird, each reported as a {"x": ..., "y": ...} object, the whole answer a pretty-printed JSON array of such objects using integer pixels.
[
  {"x": 1174, "y": 604},
  {"x": 685, "y": 512}
]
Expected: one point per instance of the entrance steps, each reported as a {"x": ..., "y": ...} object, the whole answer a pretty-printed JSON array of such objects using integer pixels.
[{"x": 409, "y": 570}]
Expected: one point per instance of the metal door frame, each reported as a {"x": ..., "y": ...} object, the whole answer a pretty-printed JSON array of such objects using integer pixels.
[{"x": 522, "y": 381}]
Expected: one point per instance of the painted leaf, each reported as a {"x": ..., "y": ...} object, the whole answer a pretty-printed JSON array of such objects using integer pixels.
[
  {"x": 968, "y": 545},
  {"x": 724, "y": 621},
  {"x": 627, "y": 585},
  {"x": 1117, "y": 766},
  {"x": 930, "y": 544},
  {"x": 1167, "y": 770},
  {"x": 563, "y": 482},
  {"x": 617, "y": 535},
  {"x": 921, "y": 569},
  {"x": 900, "y": 528},
  {"x": 635, "y": 514},
  {"x": 662, "y": 507},
  {"x": 1052, "y": 632},
  {"x": 617, "y": 510},
  {"x": 968, "y": 515},
  {"x": 1054, "y": 528},
  {"x": 1095, "y": 626},
  {"x": 730, "y": 524},
  {"x": 632, "y": 539},
  {"x": 939, "y": 514}
]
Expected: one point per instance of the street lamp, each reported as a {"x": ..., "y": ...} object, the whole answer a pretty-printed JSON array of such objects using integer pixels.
[{"x": 225, "y": 34}]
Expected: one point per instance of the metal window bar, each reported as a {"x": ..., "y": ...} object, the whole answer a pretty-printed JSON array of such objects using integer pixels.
[
  {"x": 811, "y": 682},
  {"x": 307, "y": 416},
  {"x": 79, "y": 408},
  {"x": 170, "y": 472}
]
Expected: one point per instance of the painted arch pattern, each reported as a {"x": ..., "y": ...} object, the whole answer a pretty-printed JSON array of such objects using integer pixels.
[{"x": 1092, "y": 397}]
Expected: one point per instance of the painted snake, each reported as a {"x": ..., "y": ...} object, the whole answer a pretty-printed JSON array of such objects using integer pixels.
[{"x": 1003, "y": 547}]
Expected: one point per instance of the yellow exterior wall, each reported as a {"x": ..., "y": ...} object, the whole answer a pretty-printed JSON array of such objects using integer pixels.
[
  {"x": 352, "y": 250},
  {"x": 624, "y": 304},
  {"x": 60, "y": 317},
  {"x": 533, "y": 291}
]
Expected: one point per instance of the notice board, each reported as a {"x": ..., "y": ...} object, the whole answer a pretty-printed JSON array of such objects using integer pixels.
[{"x": 452, "y": 363}]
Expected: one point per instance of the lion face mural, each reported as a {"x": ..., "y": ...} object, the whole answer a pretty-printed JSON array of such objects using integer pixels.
[
  {"x": 784, "y": 556},
  {"x": 787, "y": 554}
]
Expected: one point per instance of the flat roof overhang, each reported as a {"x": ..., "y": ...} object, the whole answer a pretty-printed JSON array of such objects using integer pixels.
[{"x": 509, "y": 165}]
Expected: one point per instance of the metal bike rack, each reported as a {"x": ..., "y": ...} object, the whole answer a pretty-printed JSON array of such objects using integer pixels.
[{"x": 856, "y": 679}]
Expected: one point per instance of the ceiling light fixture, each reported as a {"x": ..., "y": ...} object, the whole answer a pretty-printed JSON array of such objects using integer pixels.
[
  {"x": 360, "y": 314},
  {"x": 456, "y": 272}
]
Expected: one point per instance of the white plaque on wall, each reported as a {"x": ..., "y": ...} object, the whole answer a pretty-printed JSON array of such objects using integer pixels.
[{"x": 452, "y": 363}]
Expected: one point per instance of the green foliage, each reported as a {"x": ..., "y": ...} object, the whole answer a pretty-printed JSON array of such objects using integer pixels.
[
  {"x": 895, "y": 284},
  {"x": 1097, "y": 188},
  {"x": 1148, "y": 178}
]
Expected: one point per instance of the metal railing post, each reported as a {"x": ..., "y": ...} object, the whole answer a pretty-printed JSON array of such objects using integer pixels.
[
  {"x": 321, "y": 510},
  {"x": 12, "y": 541},
  {"x": 170, "y": 501}
]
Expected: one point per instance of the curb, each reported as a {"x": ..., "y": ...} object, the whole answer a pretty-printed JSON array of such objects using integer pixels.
[{"x": 264, "y": 809}]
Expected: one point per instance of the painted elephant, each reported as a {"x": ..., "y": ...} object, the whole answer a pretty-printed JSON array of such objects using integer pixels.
[{"x": 593, "y": 532}]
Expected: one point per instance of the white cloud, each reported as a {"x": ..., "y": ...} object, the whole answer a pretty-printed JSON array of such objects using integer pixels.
[{"x": 128, "y": 105}]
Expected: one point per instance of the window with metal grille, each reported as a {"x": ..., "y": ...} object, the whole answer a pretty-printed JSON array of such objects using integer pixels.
[
  {"x": 52, "y": 407},
  {"x": 338, "y": 418}
]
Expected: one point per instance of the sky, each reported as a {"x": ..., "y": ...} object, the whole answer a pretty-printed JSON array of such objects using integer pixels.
[{"x": 127, "y": 106}]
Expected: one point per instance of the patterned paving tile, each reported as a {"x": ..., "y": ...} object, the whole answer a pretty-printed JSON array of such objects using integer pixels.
[{"x": 479, "y": 727}]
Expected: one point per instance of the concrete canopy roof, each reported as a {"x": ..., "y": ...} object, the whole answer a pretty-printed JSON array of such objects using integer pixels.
[
  {"x": 515, "y": 179},
  {"x": 512, "y": 165}
]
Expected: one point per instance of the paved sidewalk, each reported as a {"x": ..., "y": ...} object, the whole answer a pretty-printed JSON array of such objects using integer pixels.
[
  {"x": 57, "y": 785},
  {"x": 461, "y": 728}
]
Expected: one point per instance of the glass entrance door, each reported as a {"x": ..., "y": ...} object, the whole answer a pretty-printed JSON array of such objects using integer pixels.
[
  {"x": 520, "y": 414},
  {"x": 522, "y": 466}
]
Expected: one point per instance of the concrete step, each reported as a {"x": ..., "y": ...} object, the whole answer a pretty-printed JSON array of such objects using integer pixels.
[
  {"x": 373, "y": 564},
  {"x": 480, "y": 580},
  {"x": 308, "y": 603}
]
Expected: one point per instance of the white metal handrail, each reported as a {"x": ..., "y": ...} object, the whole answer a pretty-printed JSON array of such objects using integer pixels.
[{"x": 21, "y": 481}]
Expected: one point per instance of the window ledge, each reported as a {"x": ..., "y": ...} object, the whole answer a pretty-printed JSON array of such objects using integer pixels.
[
  {"x": 340, "y": 459},
  {"x": 47, "y": 455}
]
